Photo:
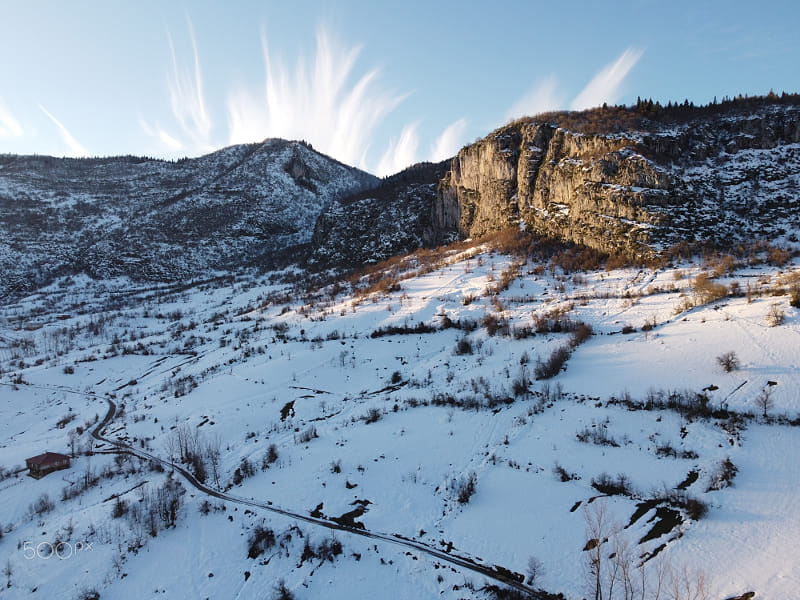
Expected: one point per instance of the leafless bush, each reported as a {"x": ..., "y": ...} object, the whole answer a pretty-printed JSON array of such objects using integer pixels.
[
  {"x": 707, "y": 290},
  {"x": 43, "y": 504},
  {"x": 307, "y": 435},
  {"x": 373, "y": 415},
  {"x": 723, "y": 476},
  {"x": 552, "y": 366},
  {"x": 535, "y": 570},
  {"x": 562, "y": 474},
  {"x": 619, "y": 486},
  {"x": 464, "y": 487},
  {"x": 775, "y": 315}
]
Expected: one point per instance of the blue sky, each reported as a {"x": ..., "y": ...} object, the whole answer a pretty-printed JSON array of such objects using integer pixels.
[{"x": 375, "y": 84}]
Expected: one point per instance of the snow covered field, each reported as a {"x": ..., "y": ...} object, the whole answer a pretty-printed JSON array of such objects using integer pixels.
[{"x": 413, "y": 413}]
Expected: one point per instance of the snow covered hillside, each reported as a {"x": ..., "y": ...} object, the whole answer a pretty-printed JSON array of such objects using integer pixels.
[
  {"x": 161, "y": 221},
  {"x": 460, "y": 423}
]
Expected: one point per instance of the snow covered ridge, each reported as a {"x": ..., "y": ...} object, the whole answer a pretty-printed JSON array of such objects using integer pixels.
[
  {"x": 158, "y": 220},
  {"x": 390, "y": 432}
]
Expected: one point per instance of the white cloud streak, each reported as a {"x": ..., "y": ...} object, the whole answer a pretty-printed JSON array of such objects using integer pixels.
[
  {"x": 76, "y": 149},
  {"x": 606, "y": 85},
  {"x": 187, "y": 101},
  {"x": 9, "y": 126},
  {"x": 316, "y": 101},
  {"x": 400, "y": 153},
  {"x": 163, "y": 137},
  {"x": 542, "y": 97},
  {"x": 449, "y": 141}
]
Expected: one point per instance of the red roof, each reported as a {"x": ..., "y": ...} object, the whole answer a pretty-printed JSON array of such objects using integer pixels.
[{"x": 46, "y": 459}]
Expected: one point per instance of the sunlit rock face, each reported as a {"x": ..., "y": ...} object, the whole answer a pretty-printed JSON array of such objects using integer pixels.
[{"x": 720, "y": 178}]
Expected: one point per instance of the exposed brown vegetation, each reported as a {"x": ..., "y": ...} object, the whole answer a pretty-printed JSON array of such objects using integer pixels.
[{"x": 615, "y": 119}]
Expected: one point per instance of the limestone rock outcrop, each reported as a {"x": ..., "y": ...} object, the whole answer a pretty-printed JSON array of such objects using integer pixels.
[{"x": 716, "y": 178}]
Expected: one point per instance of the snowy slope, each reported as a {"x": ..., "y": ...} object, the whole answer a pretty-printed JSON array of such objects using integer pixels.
[{"x": 384, "y": 430}]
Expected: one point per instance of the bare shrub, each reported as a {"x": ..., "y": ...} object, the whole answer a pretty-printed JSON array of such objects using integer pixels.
[
  {"x": 373, "y": 416},
  {"x": 581, "y": 333},
  {"x": 723, "y": 476},
  {"x": 307, "y": 435},
  {"x": 463, "y": 346},
  {"x": 270, "y": 457},
  {"x": 464, "y": 488},
  {"x": 535, "y": 570},
  {"x": 261, "y": 540},
  {"x": 775, "y": 315},
  {"x": 552, "y": 366},
  {"x": 619, "y": 486},
  {"x": 43, "y": 504},
  {"x": 707, "y": 290},
  {"x": 562, "y": 474},
  {"x": 794, "y": 294},
  {"x": 281, "y": 592}
]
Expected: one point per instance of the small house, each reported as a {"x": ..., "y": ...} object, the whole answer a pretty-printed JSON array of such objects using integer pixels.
[{"x": 41, "y": 465}]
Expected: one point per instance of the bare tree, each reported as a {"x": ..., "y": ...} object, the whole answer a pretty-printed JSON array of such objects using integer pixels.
[
  {"x": 8, "y": 571},
  {"x": 764, "y": 400},
  {"x": 73, "y": 442},
  {"x": 597, "y": 526},
  {"x": 728, "y": 361},
  {"x": 212, "y": 452},
  {"x": 689, "y": 585},
  {"x": 615, "y": 571},
  {"x": 535, "y": 570},
  {"x": 171, "y": 446}
]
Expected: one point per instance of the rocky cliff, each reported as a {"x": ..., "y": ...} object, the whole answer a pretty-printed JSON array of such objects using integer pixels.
[{"x": 718, "y": 178}]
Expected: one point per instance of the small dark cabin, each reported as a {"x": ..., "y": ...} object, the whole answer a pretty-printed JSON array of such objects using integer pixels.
[{"x": 41, "y": 465}]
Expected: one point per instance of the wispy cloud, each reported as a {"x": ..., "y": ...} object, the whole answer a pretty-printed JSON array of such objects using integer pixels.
[
  {"x": 162, "y": 136},
  {"x": 542, "y": 97},
  {"x": 186, "y": 97},
  {"x": 9, "y": 126},
  {"x": 401, "y": 152},
  {"x": 606, "y": 85},
  {"x": 76, "y": 149},
  {"x": 188, "y": 104},
  {"x": 317, "y": 101},
  {"x": 450, "y": 141}
]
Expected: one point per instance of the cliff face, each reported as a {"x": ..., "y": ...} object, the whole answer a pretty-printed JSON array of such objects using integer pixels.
[{"x": 712, "y": 179}]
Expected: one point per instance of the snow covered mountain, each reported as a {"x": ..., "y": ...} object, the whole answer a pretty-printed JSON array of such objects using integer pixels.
[{"x": 158, "y": 220}]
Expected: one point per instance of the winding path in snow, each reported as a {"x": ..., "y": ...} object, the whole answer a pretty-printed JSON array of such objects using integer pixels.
[{"x": 493, "y": 572}]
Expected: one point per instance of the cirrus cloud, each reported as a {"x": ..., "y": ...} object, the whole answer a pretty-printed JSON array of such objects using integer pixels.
[
  {"x": 605, "y": 86},
  {"x": 9, "y": 126},
  {"x": 320, "y": 101},
  {"x": 76, "y": 149}
]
